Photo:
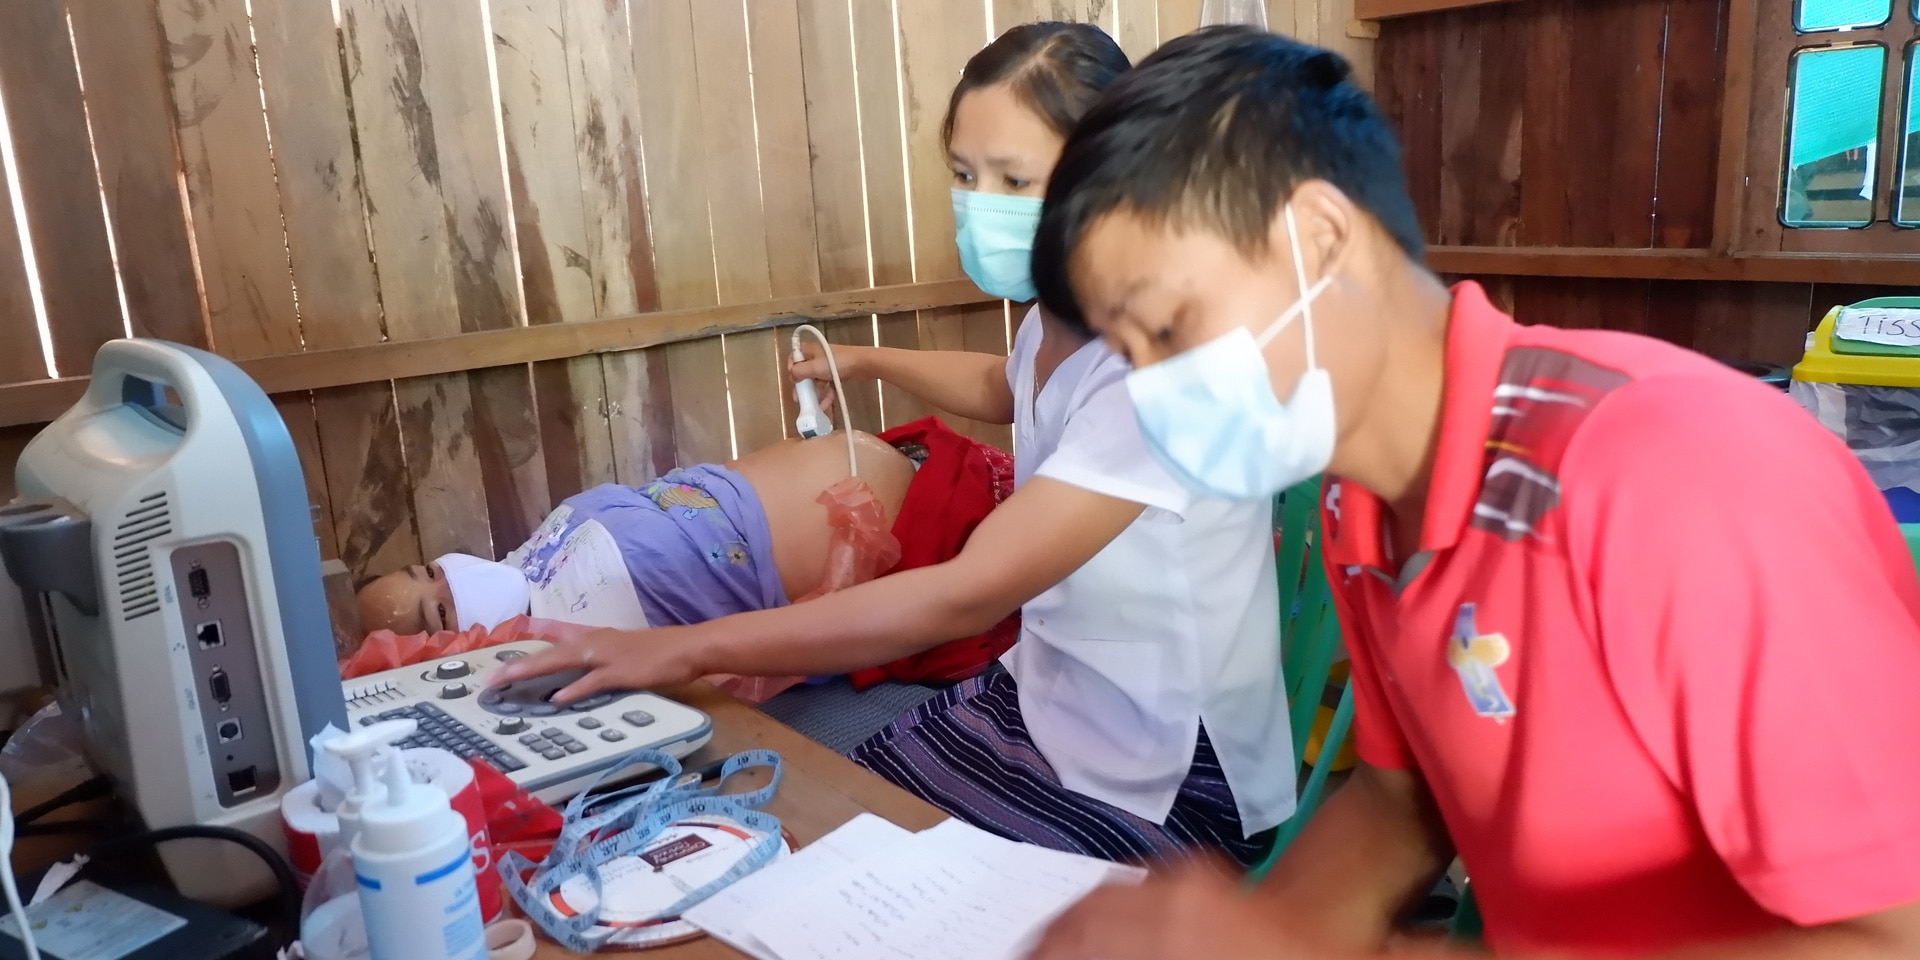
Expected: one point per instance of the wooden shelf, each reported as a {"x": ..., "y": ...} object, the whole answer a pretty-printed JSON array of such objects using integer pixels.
[
  {"x": 39, "y": 401},
  {"x": 1653, "y": 264}
]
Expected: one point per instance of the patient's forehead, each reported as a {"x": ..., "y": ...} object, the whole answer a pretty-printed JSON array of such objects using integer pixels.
[{"x": 393, "y": 601}]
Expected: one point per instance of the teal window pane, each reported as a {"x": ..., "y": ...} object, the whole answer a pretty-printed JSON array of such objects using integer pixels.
[
  {"x": 1812, "y": 15},
  {"x": 1906, "y": 203},
  {"x": 1833, "y": 124}
]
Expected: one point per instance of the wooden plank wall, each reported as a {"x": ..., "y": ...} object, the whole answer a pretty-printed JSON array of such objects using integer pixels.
[
  {"x": 272, "y": 177},
  {"x": 1585, "y": 123}
]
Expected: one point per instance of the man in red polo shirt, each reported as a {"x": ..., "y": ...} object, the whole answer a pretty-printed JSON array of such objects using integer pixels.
[{"x": 1630, "y": 633}]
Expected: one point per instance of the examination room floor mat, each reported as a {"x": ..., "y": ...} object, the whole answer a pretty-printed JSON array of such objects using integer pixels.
[{"x": 839, "y": 717}]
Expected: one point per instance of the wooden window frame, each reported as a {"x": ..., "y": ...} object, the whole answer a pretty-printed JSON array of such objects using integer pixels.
[
  {"x": 1754, "y": 139},
  {"x": 1748, "y": 243}
]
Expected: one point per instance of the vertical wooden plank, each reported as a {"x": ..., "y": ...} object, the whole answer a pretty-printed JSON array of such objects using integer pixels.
[
  {"x": 235, "y": 203},
  {"x": 544, "y": 175},
  {"x": 882, "y": 138},
  {"x": 1767, "y": 322},
  {"x": 780, "y": 110},
  {"x": 442, "y": 89},
  {"x": 663, "y": 63},
  {"x": 319, "y": 175},
  {"x": 1178, "y": 17},
  {"x": 1100, "y": 13},
  {"x": 1012, "y": 13},
  {"x": 665, "y": 69},
  {"x": 606, "y": 116},
  {"x": 882, "y": 134},
  {"x": 1760, "y": 176},
  {"x": 642, "y": 416},
  {"x": 1611, "y": 137},
  {"x": 1463, "y": 169},
  {"x": 561, "y": 260},
  {"x": 1298, "y": 19},
  {"x": 296, "y": 411},
  {"x": 756, "y": 362},
  {"x": 935, "y": 42},
  {"x": 123, "y": 65},
  {"x": 20, "y": 354},
  {"x": 697, "y": 383},
  {"x": 422, "y": 98},
  {"x": 48, "y": 125},
  {"x": 620, "y": 247},
  {"x": 984, "y": 330},
  {"x": 507, "y": 440},
  {"x": 1693, "y": 63},
  {"x": 1008, "y": 14},
  {"x": 756, "y": 377},
  {"x": 861, "y": 406},
  {"x": 898, "y": 406},
  {"x": 1139, "y": 27},
  {"x": 728, "y": 151},
  {"x": 1582, "y": 302},
  {"x": 473, "y": 183},
  {"x": 1545, "y": 149},
  {"x": 834, "y": 134},
  {"x": 740, "y": 228},
  {"x": 1288, "y": 17},
  {"x": 1740, "y": 106},
  {"x": 576, "y": 438},
  {"x": 1331, "y": 18},
  {"x": 324, "y": 212},
  {"x": 1481, "y": 126},
  {"x": 394, "y": 120},
  {"x": 1410, "y": 96},
  {"x": 437, "y": 431},
  {"x": 366, "y": 477}
]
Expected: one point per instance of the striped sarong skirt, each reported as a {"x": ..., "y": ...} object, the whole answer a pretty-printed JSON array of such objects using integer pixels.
[{"x": 967, "y": 752}]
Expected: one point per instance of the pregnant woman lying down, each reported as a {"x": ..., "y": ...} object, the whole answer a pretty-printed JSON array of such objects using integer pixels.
[{"x": 711, "y": 540}]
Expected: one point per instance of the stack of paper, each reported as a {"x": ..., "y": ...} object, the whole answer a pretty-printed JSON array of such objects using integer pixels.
[{"x": 873, "y": 891}]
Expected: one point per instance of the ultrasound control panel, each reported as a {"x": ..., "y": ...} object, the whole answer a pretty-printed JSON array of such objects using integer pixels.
[{"x": 553, "y": 750}]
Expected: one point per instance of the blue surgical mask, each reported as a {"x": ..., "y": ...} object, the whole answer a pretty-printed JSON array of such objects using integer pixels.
[
  {"x": 995, "y": 233},
  {"x": 1211, "y": 418}
]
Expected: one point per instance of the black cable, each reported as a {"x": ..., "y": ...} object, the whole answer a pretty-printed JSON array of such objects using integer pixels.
[
  {"x": 65, "y": 826},
  {"x": 289, "y": 893},
  {"x": 90, "y": 789}
]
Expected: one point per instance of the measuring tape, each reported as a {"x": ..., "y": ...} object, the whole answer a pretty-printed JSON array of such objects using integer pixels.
[{"x": 625, "y": 823}]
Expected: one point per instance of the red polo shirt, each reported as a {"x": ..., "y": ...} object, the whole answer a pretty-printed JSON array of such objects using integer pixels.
[{"x": 1658, "y": 656}]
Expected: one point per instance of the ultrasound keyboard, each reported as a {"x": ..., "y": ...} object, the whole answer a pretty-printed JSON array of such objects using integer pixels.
[{"x": 552, "y": 750}]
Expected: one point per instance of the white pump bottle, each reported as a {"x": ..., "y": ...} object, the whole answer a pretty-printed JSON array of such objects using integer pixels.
[{"x": 412, "y": 858}]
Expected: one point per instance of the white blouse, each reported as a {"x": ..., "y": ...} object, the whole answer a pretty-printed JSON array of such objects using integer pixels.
[{"x": 1174, "y": 624}]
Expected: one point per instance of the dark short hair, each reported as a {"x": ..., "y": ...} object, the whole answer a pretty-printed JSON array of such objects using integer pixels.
[
  {"x": 1215, "y": 130},
  {"x": 1055, "y": 69}
]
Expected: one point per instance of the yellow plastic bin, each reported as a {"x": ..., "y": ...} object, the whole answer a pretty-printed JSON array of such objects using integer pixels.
[{"x": 1869, "y": 396}]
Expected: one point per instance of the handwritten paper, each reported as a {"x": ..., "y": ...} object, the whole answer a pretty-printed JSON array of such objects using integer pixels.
[
  {"x": 727, "y": 914},
  {"x": 1890, "y": 326},
  {"x": 953, "y": 892}
]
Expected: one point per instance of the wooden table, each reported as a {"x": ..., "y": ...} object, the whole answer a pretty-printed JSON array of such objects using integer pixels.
[{"x": 819, "y": 791}]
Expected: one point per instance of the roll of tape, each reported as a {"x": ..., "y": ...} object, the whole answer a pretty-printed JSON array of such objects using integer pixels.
[{"x": 510, "y": 940}]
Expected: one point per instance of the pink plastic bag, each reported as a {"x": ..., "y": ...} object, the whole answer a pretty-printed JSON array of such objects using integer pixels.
[
  {"x": 384, "y": 649},
  {"x": 863, "y": 548}
]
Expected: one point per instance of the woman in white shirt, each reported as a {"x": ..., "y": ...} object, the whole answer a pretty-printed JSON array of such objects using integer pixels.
[{"x": 1142, "y": 713}]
